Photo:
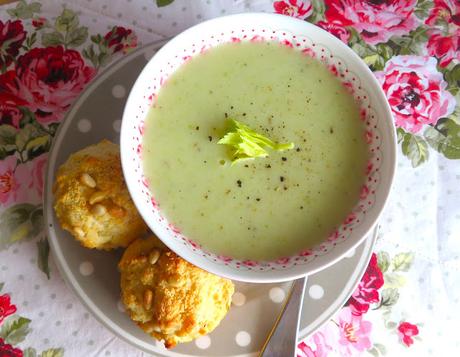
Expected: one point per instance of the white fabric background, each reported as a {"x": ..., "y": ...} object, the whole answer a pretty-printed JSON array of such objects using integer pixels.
[{"x": 423, "y": 216}]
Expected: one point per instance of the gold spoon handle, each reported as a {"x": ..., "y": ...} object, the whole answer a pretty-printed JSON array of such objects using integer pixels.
[{"x": 282, "y": 339}]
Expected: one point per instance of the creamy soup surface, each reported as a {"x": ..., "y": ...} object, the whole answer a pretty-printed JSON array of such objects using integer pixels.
[{"x": 263, "y": 208}]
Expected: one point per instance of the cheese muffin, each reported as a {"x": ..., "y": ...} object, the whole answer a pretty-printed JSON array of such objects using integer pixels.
[
  {"x": 169, "y": 298},
  {"x": 91, "y": 199}
]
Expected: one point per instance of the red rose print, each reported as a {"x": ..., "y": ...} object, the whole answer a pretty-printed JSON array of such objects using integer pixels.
[
  {"x": 447, "y": 10},
  {"x": 335, "y": 29},
  {"x": 12, "y": 35},
  {"x": 416, "y": 91},
  {"x": 38, "y": 23},
  {"x": 444, "y": 48},
  {"x": 6, "y": 308},
  {"x": 367, "y": 290},
  {"x": 9, "y": 111},
  {"x": 120, "y": 39},
  {"x": 49, "y": 79},
  {"x": 6, "y": 350},
  {"x": 376, "y": 21},
  {"x": 405, "y": 332},
  {"x": 300, "y": 9}
]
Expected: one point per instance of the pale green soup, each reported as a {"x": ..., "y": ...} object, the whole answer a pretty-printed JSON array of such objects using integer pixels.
[{"x": 267, "y": 207}]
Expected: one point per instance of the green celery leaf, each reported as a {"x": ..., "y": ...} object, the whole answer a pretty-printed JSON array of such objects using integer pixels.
[{"x": 248, "y": 144}]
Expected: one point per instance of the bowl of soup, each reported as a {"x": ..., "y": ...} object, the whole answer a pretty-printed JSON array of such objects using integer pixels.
[{"x": 258, "y": 147}]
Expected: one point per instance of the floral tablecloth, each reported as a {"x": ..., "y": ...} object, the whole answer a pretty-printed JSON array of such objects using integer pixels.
[{"x": 408, "y": 300}]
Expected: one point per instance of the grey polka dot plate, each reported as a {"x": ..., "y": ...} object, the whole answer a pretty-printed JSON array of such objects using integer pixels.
[{"x": 94, "y": 277}]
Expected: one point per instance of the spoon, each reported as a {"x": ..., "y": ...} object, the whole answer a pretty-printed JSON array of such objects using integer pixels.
[{"x": 282, "y": 339}]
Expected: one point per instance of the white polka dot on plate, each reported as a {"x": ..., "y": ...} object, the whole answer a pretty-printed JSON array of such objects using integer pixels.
[
  {"x": 118, "y": 91},
  {"x": 120, "y": 306},
  {"x": 84, "y": 125},
  {"x": 203, "y": 342},
  {"x": 350, "y": 253},
  {"x": 277, "y": 295},
  {"x": 243, "y": 338},
  {"x": 316, "y": 292},
  {"x": 116, "y": 125},
  {"x": 86, "y": 268},
  {"x": 238, "y": 299}
]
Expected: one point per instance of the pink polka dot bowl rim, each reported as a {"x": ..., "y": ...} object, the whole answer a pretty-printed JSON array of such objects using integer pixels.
[{"x": 313, "y": 41}]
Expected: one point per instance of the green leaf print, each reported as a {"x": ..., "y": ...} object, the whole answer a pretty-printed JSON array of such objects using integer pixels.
[
  {"x": 7, "y": 140},
  {"x": 381, "y": 348},
  {"x": 54, "y": 38},
  {"x": 394, "y": 280},
  {"x": 383, "y": 261},
  {"x": 161, "y": 3},
  {"x": 389, "y": 297},
  {"x": 25, "y": 11},
  {"x": 53, "y": 352},
  {"x": 1, "y": 286},
  {"x": 67, "y": 21},
  {"x": 452, "y": 77},
  {"x": 402, "y": 261},
  {"x": 410, "y": 44},
  {"x": 30, "y": 352},
  {"x": 444, "y": 138},
  {"x": 77, "y": 37},
  {"x": 391, "y": 325},
  {"x": 66, "y": 32},
  {"x": 374, "y": 352},
  {"x": 43, "y": 250},
  {"x": 14, "y": 329},
  {"x": 415, "y": 148},
  {"x": 18, "y": 222},
  {"x": 318, "y": 11},
  {"x": 422, "y": 8},
  {"x": 32, "y": 141}
]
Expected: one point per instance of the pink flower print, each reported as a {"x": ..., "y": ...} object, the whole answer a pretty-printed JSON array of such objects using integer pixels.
[
  {"x": 354, "y": 333},
  {"x": 445, "y": 48},
  {"x": 335, "y": 29},
  {"x": 48, "y": 79},
  {"x": 367, "y": 291},
  {"x": 120, "y": 39},
  {"x": 9, "y": 109},
  {"x": 447, "y": 10},
  {"x": 320, "y": 344},
  {"x": 376, "y": 21},
  {"x": 405, "y": 332},
  {"x": 416, "y": 91},
  {"x": 12, "y": 35},
  {"x": 300, "y": 9},
  {"x": 6, "y": 307},
  {"x": 11, "y": 180}
]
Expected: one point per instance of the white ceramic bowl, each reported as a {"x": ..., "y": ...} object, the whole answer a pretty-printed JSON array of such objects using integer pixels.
[{"x": 305, "y": 37}]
